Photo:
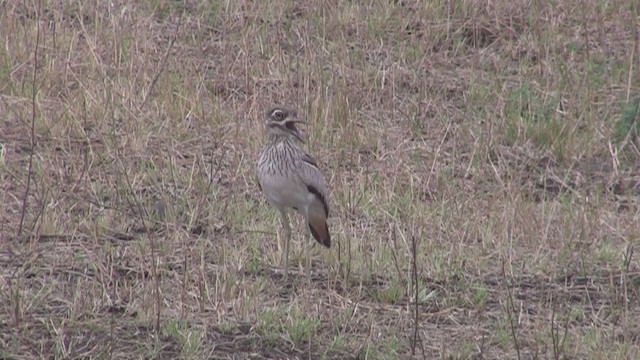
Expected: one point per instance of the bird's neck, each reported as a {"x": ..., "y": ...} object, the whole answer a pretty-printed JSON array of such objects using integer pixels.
[{"x": 277, "y": 138}]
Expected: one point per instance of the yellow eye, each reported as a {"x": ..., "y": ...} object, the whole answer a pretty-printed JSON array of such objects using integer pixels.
[{"x": 278, "y": 115}]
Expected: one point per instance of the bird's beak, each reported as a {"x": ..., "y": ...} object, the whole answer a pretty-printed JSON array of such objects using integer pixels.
[{"x": 294, "y": 130}]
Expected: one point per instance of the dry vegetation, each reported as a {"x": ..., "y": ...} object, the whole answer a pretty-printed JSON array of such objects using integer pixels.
[{"x": 493, "y": 142}]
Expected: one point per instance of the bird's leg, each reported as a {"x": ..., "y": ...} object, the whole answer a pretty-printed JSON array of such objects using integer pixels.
[
  {"x": 287, "y": 231},
  {"x": 307, "y": 252}
]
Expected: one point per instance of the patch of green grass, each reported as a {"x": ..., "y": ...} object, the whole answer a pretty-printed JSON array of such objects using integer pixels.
[
  {"x": 628, "y": 122},
  {"x": 608, "y": 254},
  {"x": 269, "y": 326},
  {"x": 596, "y": 70},
  {"x": 385, "y": 350},
  {"x": 502, "y": 334},
  {"x": 425, "y": 293},
  {"x": 226, "y": 328},
  {"x": 254, "y": 261},
  {"x": 465, "y": 351},
  {"x": 339, "y": 342},
  {"x": 5, "y": 73},
  {"x": 480, "y": 296},
  {"x": 163, "y": 9},
  {"x": 189, "y": 339},
  {"x": 391, "y": 293},
  {"x": 531, "y": 116},
  {"x": 300, "y": 326}
]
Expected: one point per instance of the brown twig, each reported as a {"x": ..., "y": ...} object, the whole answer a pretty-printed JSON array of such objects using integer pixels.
[
  {"x": 554, "y": 332},
  {"x": 112, "y": 319},
  {"x": 142, "y": 214},
  {"x": 212, "y": 174},
  {"x": 416, "y": 336},
  {"x": 162, "y": 64},
  {"x": 510, "y": 309},
  {"x": 393, "y": 246},
  {"x": 32, "y": 135},
  {"x": 136, "y": 206}
]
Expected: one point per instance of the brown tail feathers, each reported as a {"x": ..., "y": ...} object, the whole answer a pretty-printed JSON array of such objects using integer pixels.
[{"x": 320, "y": 231}]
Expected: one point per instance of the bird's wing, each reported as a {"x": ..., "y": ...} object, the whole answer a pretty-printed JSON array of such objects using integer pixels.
[
  {"x": 257, "y": 177},
  {"x": 318, "y": 209},
  {"x": 310, "y": 160},
  {"x": 314, "y": 181},
  {"x": 257, "y": 174}
]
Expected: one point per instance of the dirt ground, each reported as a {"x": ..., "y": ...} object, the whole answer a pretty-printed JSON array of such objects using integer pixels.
[{"x": 481, "y": 156}]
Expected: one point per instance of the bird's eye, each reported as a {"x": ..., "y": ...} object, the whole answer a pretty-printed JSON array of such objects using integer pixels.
[{"x": 278, "y": 115}]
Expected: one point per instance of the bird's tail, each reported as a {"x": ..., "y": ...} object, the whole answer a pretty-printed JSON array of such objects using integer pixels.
[{"x": 320, "y": 230}]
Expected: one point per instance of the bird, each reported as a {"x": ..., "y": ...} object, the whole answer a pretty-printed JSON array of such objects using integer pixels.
[{"x": 289, "y": 177}]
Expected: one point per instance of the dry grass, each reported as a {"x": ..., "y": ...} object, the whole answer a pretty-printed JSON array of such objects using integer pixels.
[{"x": 494, "y": 142}]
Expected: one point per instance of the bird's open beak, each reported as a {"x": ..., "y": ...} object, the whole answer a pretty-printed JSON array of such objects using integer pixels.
[
  {"x": 298, "y": 121},
  {"x": 291, "y": 126}
]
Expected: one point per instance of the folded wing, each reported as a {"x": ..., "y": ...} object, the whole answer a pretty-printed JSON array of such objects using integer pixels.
[{"x": 317, "y": 210}]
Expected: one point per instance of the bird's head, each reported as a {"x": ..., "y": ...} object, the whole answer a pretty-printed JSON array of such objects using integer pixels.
[{"x": 281, "y": 121}]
